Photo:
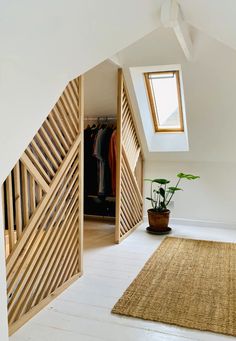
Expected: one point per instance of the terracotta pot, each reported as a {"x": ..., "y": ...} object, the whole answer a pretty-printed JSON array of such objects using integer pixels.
[{"x": 158, "y": 221}]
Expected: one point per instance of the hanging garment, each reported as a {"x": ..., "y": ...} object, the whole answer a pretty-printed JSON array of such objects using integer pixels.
[
  {"x": 90, "y": 163},
  {"x": 101, "y": 152},
  {"x": 112, "y": 161}
]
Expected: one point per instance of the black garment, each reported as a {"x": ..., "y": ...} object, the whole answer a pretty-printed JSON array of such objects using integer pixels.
[
  {"x": 101, "y": 152},
  {"x": 90, "y": 164}
]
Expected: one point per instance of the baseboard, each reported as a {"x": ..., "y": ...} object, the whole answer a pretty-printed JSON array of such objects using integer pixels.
[{"x": 200, "y": 223}]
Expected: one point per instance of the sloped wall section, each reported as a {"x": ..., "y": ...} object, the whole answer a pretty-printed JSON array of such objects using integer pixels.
[{"x": 46, "y": 44}]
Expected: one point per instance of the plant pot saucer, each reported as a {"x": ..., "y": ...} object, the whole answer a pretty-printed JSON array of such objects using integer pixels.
[{"x": 150, "y": 230}]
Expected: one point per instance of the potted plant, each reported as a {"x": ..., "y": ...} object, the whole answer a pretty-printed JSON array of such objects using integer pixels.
[{"x": 160, "y": 197}]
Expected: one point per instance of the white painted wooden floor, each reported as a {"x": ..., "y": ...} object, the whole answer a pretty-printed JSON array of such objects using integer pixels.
[{"x": 83, "y": 311}]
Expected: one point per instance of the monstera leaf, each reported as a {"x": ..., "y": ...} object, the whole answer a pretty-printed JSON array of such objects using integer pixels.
[
  {"x": 161, "y": 196},
  {"x": 174, "y": 189},
  {"x": 161, "y": 181},
  {"x": 187, "y": 176}
]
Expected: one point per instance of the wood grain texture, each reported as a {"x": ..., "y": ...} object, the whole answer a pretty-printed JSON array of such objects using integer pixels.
[
  {"x": 129, "y": 200},
  {"x": 43, "y": 211}
]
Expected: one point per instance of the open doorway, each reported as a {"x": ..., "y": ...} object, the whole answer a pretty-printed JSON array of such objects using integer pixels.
[
  {"x": 113, "y": 160},
  {"x": 100, "y": 141}
]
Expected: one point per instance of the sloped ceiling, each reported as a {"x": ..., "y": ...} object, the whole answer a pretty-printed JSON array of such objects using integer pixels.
[
  {"x": 100, "y": 90},
  {"x": 214, "y": 17},
  {"x": 44, "y": 44},
  {"x": 209, "y": 88}
]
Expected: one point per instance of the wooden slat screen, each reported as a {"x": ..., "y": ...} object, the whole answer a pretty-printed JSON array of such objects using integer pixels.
[
  {"x": 129, "y": 205},
  {"x": 43, "y": 210}
]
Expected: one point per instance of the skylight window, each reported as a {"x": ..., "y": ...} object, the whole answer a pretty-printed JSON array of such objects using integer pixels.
[{"x": 164, "y": 95}]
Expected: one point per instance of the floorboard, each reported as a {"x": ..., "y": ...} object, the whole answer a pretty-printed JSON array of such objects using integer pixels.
[{"x": 82, "y": 312}]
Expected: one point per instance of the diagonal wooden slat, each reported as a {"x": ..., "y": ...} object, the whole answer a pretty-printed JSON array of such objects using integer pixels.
[
  {"x": 24, "y": 260},
  {"x": 129, "y": 203},
  {"x": 61, "y": 133},
  {"x": 65, "y": 118},
  {"x": 43, "y": 210},
  {"x": 71, "y": 109},
  {"x": 42, "y": 145},
  {"x": 56, "y": 115},
  {"x": 33, "y": 170},
  {"x": 52, "y": 258},
  {"x": 50, "y": 145},
  {"x": 33, "y": 269}
]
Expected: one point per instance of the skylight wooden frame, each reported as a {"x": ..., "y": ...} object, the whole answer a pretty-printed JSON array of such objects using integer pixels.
[{"x": 151, "y": 100}]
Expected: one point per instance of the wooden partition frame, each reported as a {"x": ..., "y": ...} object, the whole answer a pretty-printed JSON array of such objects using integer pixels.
[
  {"x": 129, "y": 197},
  {"x": 43, "y": 211}
]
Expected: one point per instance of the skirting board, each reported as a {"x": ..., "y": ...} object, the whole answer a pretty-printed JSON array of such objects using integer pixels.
[{"x": 200, "y": 223}]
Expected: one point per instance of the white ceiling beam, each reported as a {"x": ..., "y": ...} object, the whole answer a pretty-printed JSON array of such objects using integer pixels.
[{"x": 171, "y": 17}]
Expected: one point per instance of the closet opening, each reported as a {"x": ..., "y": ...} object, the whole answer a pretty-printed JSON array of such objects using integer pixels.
[
  {"x": 113, "y": 159},
  {"x": 90, "y": 128},
  {"x": 100, "y": 154}
]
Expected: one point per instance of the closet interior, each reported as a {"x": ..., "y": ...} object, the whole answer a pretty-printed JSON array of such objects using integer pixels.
[
  {"x": 85, "y": 161},
  {"x": 113, "y": 159},
  {"x": 100, "y": 143},
  {"x": 100, "y": 166}
]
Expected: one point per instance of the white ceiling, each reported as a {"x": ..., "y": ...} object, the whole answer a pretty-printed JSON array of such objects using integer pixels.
[
  {"x": 209, "y": 87},
  {"x": 214, "y": 17},
  {"x": 46, "y": 43},
  {"x": 100, "y": 90}
]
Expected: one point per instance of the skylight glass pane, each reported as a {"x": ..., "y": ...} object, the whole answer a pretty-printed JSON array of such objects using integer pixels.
[
  {"x": 165, "y": 94},
  {"x": 165, "y": 100}
]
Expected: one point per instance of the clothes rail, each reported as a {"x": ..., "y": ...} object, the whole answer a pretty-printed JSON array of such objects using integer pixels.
[{"x": 100, "y": 118}]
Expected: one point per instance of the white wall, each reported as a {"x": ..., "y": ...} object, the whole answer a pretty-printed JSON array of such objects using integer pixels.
[
  {"x": 210, "y": 198},
  {"x": 100, "y": 90},
  {"x": 158, "y": 142},
  {"x": 44, "y": 44},
  {"x": 209, "y": 83}
]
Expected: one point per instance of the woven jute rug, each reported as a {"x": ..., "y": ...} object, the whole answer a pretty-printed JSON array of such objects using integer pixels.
[{"x": 190, "y": 283}]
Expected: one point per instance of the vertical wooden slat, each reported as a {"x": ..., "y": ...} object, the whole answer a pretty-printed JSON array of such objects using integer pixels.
[
  {"x": 32, "y": 195},
  {"x": 52, "y": 256},
  {"x": 118, "y": 154},
  {"x": 43, "y": 201},
  {"x": 25, "y": 194},
  {"x": 18, "y": 209},
  {"x": 30, "y": 247},
  {"x": 35, "y": 163},
  {"x": 6, "y": 238},
  {"x": 10, "y": 213},
  {"x": 80, "y": 120},
  {"x": 36, "y": 262},
  {"x": 128, "y": 152}
]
